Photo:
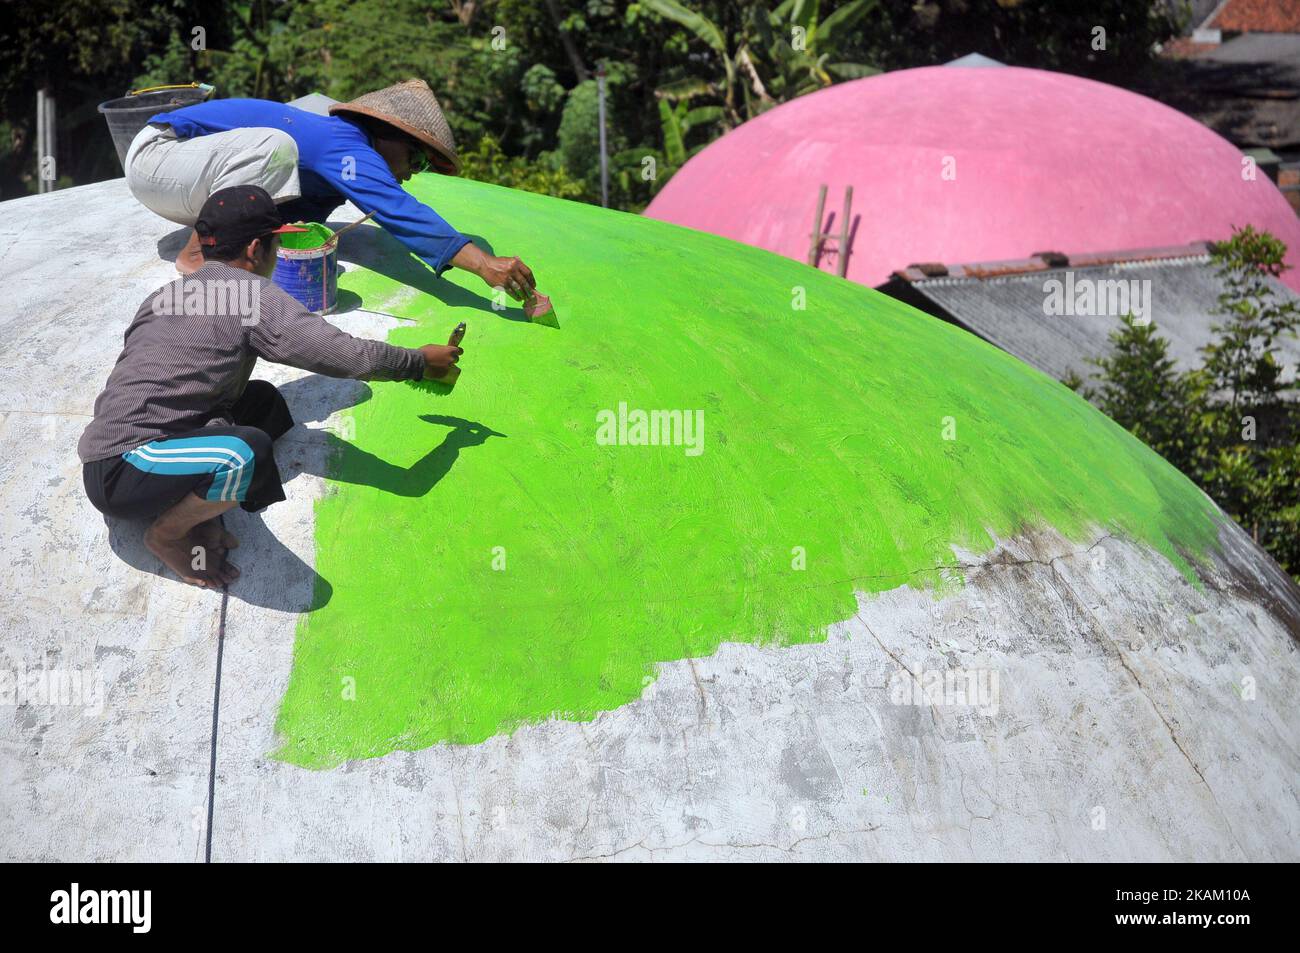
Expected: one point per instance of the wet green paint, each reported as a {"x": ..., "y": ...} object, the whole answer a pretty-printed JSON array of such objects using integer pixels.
[
  {"x": 315, "y": 236},
  {"x": 823, "y": 436}
]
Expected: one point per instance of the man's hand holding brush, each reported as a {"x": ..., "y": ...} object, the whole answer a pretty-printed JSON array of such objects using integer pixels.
[
  {"x": 510, "y": 274},
  {"x": 440, "y": 359}
]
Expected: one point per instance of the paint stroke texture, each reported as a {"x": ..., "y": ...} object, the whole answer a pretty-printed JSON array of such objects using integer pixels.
[{"x": 823, "y": 435}]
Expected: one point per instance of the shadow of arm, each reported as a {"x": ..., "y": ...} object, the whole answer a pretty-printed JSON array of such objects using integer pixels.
[{"x": 348, "y": 463}]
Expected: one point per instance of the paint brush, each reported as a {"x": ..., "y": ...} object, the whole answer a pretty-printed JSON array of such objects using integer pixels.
[
  {"x": 538, "y": 309},
  {"x": 444, "y": 385},
  {"x": 351, "y": 225}
]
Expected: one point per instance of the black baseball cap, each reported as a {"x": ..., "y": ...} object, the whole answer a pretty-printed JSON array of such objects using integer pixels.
[{"x": 239, "y": 214}]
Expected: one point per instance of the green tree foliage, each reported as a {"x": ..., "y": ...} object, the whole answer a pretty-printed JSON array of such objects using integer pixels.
[
  {"x": 1241, "y": 364},
  {"x": 681, "y": 72},
  {"x": 1232, "y": 425},
  {"x": 83, "y": 52},
  {"x": 1141, "y": 389},
  {"x": 766, "y": 55},
  {"x": 579, "y": 135},
  {"x": 1047, "y": 34},
  {"x": 487, "y": 163}
]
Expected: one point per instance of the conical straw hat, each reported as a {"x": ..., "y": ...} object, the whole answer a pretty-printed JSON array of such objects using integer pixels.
[{"x": 412, "y": 108}]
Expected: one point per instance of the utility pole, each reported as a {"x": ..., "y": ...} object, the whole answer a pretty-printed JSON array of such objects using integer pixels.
[
  {"x": 40, "y": 139},
  {"x": 46, "y": 142},
  {"x": 604, "y": 159}
]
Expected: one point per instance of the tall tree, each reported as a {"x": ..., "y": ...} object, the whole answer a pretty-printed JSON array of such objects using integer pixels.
[{"x": 1232, "y": 424}]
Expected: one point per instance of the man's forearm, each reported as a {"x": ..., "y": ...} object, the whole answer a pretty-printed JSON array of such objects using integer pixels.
[
  {"x": 508, "y": 273},
  {"x": 470, "y": 258},
  {"x": 287, "y": 333}
]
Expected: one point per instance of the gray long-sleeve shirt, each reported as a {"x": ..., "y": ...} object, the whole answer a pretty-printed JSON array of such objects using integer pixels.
[{"x": 192, "y": 346}]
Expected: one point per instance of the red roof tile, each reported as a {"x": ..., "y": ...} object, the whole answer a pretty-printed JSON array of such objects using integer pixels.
[{"x": 1259, "y": 16}]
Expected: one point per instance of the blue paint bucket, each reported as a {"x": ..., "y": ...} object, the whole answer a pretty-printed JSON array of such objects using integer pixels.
[{"x": 307, "y": 267}]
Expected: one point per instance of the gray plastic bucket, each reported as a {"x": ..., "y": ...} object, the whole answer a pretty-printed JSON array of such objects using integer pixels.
[{"x": 128, "y": 115}]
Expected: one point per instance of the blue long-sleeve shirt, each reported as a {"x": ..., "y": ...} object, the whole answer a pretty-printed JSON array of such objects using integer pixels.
[{"x": 336, "y": 162}]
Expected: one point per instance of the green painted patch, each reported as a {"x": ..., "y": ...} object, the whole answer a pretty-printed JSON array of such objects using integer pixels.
[{"x": 823, "y": 435}]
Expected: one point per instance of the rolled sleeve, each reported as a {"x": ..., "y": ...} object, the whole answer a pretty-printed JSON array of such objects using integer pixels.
[
  {"x": 360, "y": 174},
  {"x": 287, "y": 333}
]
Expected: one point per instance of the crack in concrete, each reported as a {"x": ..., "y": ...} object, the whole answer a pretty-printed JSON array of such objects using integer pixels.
[
  {"x": 934, "y": 714},
  {"x": 460, "y": 817},
  {"x": 695, "y": 677},
  {"x": 1100, "y": 632}
]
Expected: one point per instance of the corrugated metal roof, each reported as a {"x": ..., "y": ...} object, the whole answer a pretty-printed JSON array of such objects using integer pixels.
[{"x": 1011, "y": 311}]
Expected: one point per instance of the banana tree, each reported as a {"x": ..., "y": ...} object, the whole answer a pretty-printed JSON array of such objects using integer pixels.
[
  {"x": 676, "y": 122},
  {"x": 713, "y": 37},
  {"x": 806, "y": 51},
  {"x": 777, "y": 54}
]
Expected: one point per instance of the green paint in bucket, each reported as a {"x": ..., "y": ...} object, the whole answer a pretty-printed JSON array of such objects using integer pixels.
[
  {"x": 307, "y": 267},
  {"x": 315, "y": 236}
]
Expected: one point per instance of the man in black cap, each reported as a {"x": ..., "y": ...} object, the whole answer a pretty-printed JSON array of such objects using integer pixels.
[{"x": 180, "y": 432}]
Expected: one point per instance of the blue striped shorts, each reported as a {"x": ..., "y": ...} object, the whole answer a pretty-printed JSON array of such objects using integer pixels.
[{"x": 216, "y": 463}]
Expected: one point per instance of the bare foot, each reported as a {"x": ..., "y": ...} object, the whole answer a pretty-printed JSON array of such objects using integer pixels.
[
  {"x": 191, "y": 558},
  {"x": 213, "y": 535}
]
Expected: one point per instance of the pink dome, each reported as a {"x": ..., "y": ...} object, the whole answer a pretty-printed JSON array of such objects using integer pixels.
[{"x": 1043, "y": 162}]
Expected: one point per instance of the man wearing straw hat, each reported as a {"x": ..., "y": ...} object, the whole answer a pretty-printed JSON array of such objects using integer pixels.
[{"x": 310, "y": 165}]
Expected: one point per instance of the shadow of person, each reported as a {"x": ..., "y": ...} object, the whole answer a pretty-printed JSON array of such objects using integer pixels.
[
  {"x": 347, "y": 463},
  {"x": 316, "y": 397},
  {"x": 373, "y": 248},
  {"x": 346, "y": 300},
  {"x": 273, "y": 577}
]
